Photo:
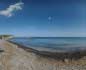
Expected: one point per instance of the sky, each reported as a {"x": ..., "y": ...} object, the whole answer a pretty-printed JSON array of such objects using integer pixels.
[{"x": 44, "y": 18}]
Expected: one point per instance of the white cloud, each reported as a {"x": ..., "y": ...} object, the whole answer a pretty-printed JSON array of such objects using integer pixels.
[{"x": 8, "y": 12}]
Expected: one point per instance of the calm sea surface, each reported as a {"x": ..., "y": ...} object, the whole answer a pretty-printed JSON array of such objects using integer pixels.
[{"x": 53, "y": 44}]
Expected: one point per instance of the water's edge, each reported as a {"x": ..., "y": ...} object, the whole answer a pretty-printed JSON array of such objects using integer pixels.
[{"x": 55, "y": 55}]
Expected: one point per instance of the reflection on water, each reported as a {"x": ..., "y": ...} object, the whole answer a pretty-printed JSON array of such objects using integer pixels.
[{"x": 53, "y": 44}]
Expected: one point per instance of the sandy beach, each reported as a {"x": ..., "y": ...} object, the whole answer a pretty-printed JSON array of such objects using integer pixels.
[{"x": 12, "y": 57}]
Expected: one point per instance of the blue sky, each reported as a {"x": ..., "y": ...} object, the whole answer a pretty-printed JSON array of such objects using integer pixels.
[{"x": 67, "y": 18}]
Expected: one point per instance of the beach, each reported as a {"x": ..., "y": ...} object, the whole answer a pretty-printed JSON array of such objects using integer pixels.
[{"x": 13, "y": 57}]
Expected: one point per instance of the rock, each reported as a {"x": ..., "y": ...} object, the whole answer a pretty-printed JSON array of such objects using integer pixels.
[{"x": 66, "y": 60}]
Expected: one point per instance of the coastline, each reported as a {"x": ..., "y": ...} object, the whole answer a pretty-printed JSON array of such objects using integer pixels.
[
  {"x": 16, "y": 58},
  {"x": 76, "y": 55}
]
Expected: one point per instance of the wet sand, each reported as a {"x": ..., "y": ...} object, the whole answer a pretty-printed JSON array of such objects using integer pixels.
[{"x": 13, "y": 57}]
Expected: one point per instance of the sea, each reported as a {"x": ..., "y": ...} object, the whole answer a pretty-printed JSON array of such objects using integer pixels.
[{"x": 52, "y": 44}]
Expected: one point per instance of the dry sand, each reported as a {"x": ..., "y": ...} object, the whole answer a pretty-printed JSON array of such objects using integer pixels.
[{"x": 14, "y": 58}]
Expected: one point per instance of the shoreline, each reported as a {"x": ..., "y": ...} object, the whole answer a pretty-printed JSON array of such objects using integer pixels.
[
  {"x": 54, "y": 55},
  {"x": 16, "y": 58}
]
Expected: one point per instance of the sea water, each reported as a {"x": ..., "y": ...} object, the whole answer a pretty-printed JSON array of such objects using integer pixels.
[{"x": 53, "y": 44}]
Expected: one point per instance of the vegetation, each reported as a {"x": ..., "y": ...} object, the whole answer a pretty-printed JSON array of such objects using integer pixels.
[{"x": 5, "y": 36}]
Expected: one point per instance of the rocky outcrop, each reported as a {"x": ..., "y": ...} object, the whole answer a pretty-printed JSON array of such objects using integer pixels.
[{"x": 15, "y": 58}]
